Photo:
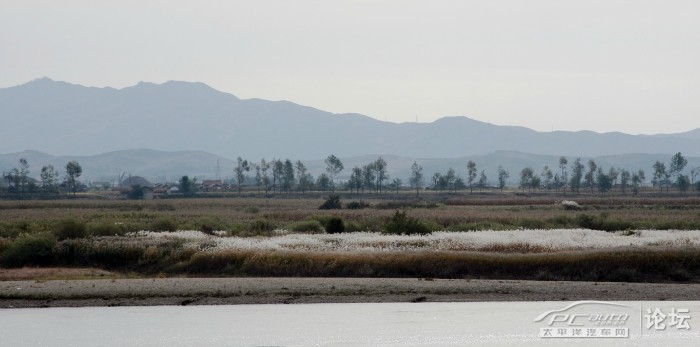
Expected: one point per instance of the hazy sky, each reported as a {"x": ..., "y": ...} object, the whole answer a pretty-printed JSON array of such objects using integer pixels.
[{"x": 627, "y": 65}]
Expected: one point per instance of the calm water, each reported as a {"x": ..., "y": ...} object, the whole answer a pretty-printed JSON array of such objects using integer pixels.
[{"x": 391, "y": 324}]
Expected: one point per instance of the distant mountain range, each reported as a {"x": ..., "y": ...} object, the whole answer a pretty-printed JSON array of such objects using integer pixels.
[
  {"x": 183, "y": 123},
  {"x": 63, "y": 118}
]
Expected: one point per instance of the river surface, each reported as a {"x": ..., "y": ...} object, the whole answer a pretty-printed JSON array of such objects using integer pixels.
[{"x": 385, "y": 324}]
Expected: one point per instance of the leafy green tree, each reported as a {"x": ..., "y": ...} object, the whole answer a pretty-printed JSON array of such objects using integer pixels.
[
  {"x": 136, "y": 192},
  {"x": 436, "y": 180},
  {"x": 678, "y": 163},
  {"x": 396, "y": 184},
  {"x": 266, "y": 182},
  {"x": 355, "y": 181},
  {"x": 188, "y": 187},
  {"x": 613, "y": 174},
  {"x": 563, "y": 174},
  {"x": 603, "y": 181},
  {"x": 641, "y": 175},
  {"x": 323, "y": 182},
  {"x": 277, "y": 174},
  {"x": 694, "y": 171},
  {"x": 288, "y": 176},
  {"x": 443, "y": 183},
  {"x": 333, "y": 167},
  {"x": 483, "y": 180},
  {"x": 683, "y": 183},
  {"x": 18, "y": 177},
  {"x": 660, "y": 175},
  {"x": 242, "y": 166},
  {"x": 379, "y": 166},
  {"x": 368, "y": 177},
  {"x": 589, "y": 179},
  {"x": 625, "y": 178},
  {"x": 303, "y": 175},
  {"x": 416, "y": 179},
  {"x": 637, "y": 181},
  {"x": 503, "y": 175},
  {"x": 73, "y": 171},
  {"x": 450, "y": 178},
  {"x": 526, "y": 177},
  {"x": 576, "y": 175},
  {"x": 471, "y": 175},
  {"x": 547, "y": 177},
  {"x": 459, "y": 184},
  {"x": 258, "y": 177},
  {"x": 13, "y": 180},
  {"x": 23, "y": 175},
  {"x": 49, "y": 179}
]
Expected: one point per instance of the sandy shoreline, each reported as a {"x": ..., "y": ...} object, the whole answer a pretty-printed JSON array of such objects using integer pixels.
[{"x": 227, "y": 291}]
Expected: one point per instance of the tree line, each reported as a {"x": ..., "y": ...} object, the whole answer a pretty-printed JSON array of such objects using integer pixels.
[
  {"x": 19, "y": 182},
  {"x": 278, "y": 176},
  {"x": 566, "y": 177}
]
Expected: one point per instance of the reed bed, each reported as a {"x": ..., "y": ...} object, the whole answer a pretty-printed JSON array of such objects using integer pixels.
[{"x": 514, "y": 241}]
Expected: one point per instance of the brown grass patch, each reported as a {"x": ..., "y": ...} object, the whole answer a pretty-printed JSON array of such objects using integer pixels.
[{"x": 52, "y": 273}]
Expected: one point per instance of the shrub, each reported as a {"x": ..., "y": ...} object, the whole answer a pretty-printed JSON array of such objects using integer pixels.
[
  {"x": 27, "y": 249},
  {"x": 262, "y": 225},
  {"x": 207, "y": 228},
  {"x": 70, "y": 229},
  {"x": 389, "y": 205},
  {"x": 530, "y": 223},
  {"x": 351, "y": 227},
  {"x": 308, "y": 226},
  {"x": 356, "y": 205},
  {"x": 209, "y": 225},
  {"x": 335, "y": 225},
  {"x": 402, "y": 224},
  {"x": 106, "y": 229},
  {"x": 332, "y": 203},
  {"x": 162, "y": 207},
  {"x": 561, "y": 221},
  {"x": 164, "y": 225},
  {"x": 251, "y": 209},
  {"x": 136, "y": 192},
  {"x": 602, "y": 223}
]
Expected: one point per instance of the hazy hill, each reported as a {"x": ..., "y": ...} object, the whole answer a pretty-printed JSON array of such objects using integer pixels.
[{"x": 63, "y": 118}]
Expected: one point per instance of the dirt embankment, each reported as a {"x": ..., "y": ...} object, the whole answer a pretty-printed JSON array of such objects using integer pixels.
[{"x": 213, "y": 291}]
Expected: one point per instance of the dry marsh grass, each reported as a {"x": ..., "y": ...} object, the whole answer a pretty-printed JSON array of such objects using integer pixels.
[
  {"x": 641, "y": 265},
  {"x": 238, "y": 214},
  {"x": 255, "y": 236}
]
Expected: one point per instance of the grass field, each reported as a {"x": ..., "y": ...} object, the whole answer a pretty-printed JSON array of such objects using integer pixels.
[{"x": 614, "y": 239}]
